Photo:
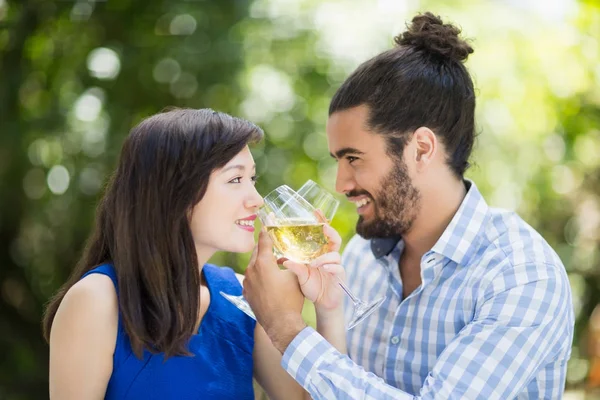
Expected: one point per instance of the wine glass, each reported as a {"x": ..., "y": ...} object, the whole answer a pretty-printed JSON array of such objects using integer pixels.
[
  {"x": 294, "y": 228},
  {"x": 297, "y": 235},
  {"x": 319, "y": 198},
  {"x": 323, "y": 200}
]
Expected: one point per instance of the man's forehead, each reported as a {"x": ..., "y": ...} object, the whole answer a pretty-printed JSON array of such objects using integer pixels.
[
  {"x": 352, "y": 139},
  {"x": 355, "y": 118},
  {"x": 347, "y": 126}
]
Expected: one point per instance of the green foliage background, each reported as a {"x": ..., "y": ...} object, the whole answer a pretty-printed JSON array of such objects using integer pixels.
[{"x": 77, "y": 75}]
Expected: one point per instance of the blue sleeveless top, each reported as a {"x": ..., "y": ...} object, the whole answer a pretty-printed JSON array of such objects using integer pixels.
[{"x": 221, "y": 367}]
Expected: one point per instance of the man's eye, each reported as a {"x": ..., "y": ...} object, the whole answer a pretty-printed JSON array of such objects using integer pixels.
[{"x": 351, "y": 159}]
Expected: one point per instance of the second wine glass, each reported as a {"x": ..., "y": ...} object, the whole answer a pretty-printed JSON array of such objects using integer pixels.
[
  {"x": 324, "y": 201},
  {"x": 319, "y": 198}
]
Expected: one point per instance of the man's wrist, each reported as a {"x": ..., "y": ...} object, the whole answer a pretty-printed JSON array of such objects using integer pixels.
[{"x": 284, "y": 329}]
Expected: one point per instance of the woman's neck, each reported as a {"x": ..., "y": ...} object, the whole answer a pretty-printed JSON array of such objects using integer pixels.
[{"x": 204, "y": 254}]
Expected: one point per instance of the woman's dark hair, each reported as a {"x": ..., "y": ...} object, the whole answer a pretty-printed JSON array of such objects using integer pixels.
[
  {"x": 420, "y": 82},
  {"x": 142, "y": 223}
]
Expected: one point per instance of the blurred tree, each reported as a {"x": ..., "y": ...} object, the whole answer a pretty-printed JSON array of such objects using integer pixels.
[{"x": 76, "y": 75}]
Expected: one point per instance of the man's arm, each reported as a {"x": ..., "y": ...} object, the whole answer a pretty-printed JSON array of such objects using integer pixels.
[{"x": 523, "y": 320}]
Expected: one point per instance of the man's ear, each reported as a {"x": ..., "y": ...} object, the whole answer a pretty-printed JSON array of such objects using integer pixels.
[{"x": 425, "y": 147}]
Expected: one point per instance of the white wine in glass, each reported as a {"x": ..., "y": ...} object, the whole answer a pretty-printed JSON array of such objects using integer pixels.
[{"x": 300, "y": 241}]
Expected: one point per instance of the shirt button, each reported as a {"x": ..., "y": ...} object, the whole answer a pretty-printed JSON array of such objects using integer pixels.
[{"x": 395, "y": 340}]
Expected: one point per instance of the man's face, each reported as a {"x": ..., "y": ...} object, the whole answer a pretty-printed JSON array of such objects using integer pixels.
[{"x": 380, "y": 185}]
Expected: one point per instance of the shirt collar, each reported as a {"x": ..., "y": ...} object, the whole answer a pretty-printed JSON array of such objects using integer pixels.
[
  {"x": 459, "y": 238},
  {"x": 384, "y": 246}
]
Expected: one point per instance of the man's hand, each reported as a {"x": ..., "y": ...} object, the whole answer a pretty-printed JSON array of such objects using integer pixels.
[{"x": 273, "y": 294}]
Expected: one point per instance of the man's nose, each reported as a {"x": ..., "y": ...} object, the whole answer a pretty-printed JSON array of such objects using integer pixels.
[{"x": 344, "y": 181}]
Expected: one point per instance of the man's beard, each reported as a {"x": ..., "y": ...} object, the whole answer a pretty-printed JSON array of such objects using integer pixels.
[{"x": 395, "y": 206}]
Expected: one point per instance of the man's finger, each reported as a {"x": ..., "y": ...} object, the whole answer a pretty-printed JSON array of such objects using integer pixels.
[
  {"x": 265, "y": 255},
  {"x": 253, "y": 257},
  {"x": 264, "y": 242}
]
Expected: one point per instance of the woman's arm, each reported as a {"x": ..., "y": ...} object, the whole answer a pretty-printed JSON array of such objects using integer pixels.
[
  {"x": 83, "y": 339},
  {"x": 331, "y": 325},
  {"x": 268, "y": 371}
]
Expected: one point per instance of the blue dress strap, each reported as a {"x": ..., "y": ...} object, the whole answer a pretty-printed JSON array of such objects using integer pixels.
[
  {"x": 105, "y": 269},
  {"x": 223, "y": 279}
]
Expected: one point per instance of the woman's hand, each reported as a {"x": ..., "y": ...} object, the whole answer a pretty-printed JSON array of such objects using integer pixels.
[{"x": 319, "y": 279}]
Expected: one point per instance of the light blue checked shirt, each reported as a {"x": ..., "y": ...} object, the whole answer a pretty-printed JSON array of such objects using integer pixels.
[{"x": 492, "y": 319}]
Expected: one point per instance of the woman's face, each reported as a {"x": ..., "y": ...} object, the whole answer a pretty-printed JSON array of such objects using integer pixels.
[{"x": 224, "y": 219}]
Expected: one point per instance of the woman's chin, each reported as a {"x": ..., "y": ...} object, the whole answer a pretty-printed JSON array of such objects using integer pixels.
[{"x": 246, "y": 247}]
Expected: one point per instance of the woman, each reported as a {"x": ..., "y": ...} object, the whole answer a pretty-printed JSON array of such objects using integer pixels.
[{"x": 141, "y": 316}]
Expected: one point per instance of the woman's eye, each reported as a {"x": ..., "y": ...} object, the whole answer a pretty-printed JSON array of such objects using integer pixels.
[{"x": 239, "y": 179}]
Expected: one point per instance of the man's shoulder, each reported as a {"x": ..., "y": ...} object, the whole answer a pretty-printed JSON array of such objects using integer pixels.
[{"x": 509, "y": 240}]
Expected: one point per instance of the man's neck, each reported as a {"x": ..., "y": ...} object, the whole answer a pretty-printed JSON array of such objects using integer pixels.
[{"x": 434, "y": 217}]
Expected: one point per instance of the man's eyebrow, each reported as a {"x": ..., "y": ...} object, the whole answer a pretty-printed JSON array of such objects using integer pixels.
[{"x": 344, "y": 151}]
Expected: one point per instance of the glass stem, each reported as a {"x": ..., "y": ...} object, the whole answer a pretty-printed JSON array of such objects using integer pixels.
[{"x": 348, "y": 292}]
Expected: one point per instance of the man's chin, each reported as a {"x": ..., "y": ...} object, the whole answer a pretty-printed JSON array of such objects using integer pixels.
[
  {"x": 375, "y": 229},
  {"x": 365, "y": 229}
]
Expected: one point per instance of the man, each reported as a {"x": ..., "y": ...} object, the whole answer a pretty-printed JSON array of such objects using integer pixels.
[{"x": 477, "y": 303}]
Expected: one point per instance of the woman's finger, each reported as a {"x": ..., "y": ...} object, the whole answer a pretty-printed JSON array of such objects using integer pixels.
[
  {"x": 335, "y": 269},
  {"x": 328, "y": 258},
  {"x": 300, "y": 270},
  {"x": 334, "y": 238},
  {"x": 320, "y": 216}
]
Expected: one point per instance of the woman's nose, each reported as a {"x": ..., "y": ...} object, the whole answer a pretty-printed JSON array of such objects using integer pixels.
[{"x": 255, "y": 200}]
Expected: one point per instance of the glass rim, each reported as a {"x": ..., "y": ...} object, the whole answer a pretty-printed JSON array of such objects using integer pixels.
[
  {"x": 283, "y": 189},
  {"x": 320, "y": 188}
]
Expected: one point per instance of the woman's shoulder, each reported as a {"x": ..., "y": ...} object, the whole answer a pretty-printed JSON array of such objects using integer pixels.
[
  {"x": 87, "y": 318},
  {"x": 95, "y": 285},
  {"x": 94, "y": 297},
  {"x": 222, "y": 274}
]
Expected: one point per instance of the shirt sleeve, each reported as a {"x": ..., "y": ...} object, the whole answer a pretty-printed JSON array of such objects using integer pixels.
[
  {"x": 523, "y": 320},
  {"x": 327, "y": 374}
]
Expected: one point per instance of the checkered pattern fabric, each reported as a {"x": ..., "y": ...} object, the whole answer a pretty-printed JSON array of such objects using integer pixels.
[{"x": 492, "y": 319}]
